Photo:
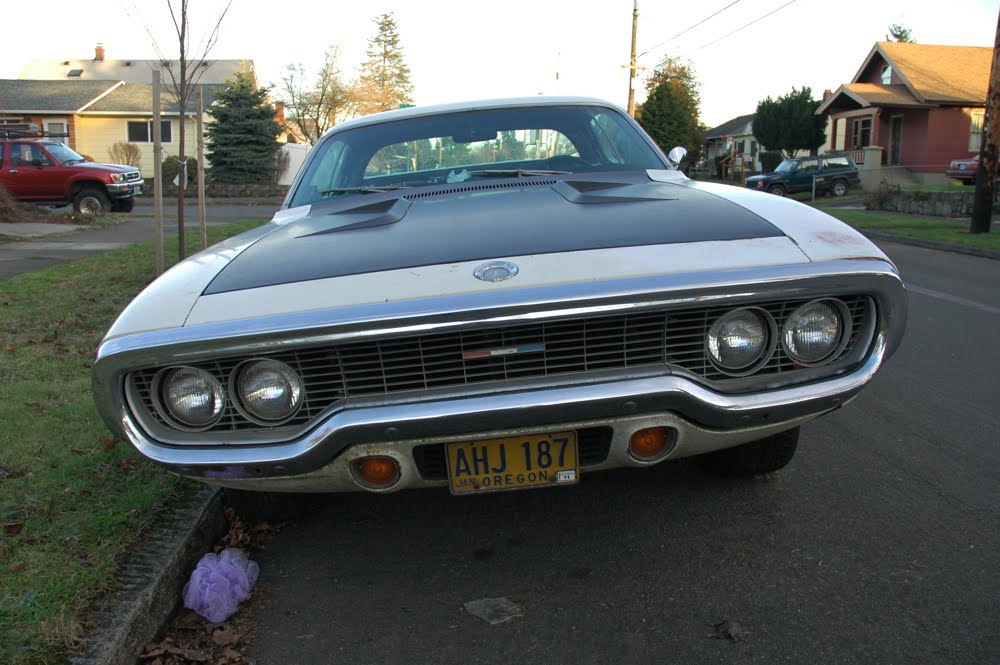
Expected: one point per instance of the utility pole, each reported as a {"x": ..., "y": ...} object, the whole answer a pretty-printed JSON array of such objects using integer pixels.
[
  {"x": 989, "y": 159},
  {"x": 157, "y": 175},
  {"x": 631, "y": 65}
]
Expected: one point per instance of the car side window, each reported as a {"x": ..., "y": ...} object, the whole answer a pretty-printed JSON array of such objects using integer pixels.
[
  {"x": 809, "y": 166},
  {"x": 836, "y": 163},
  {"x": 28, "y": 154}
]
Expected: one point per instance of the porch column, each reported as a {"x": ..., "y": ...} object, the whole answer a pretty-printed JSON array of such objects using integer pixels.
[{"x": 871, "y": 170}]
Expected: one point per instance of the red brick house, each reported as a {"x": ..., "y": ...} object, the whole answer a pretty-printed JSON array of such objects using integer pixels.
[{"x": 923, "y": 104}]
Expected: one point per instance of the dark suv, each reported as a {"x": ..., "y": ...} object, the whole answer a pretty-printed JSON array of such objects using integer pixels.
[
  {"x": 50, "y": 173},
  {"x": 833, "y": 174}
]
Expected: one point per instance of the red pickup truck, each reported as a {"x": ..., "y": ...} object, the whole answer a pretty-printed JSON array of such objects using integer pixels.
[{"x": 50, "y": 173}]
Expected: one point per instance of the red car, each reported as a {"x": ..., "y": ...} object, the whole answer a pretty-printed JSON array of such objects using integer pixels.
[
  {"x": 48, "y": 172},
  {"x": 963, "y": 170}
]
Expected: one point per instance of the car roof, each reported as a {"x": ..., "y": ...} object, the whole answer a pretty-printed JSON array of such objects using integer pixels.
[{"x": 477, "y": 105}]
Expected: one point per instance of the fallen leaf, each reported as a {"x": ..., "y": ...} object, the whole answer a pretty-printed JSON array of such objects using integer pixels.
[
  {"x": 109, "y": 442},
  {"x": 20, "y": 565},
  {"x": 13, "y": 528},
  {"x": 224, "y": 636},
  {"x": 80, "y": 451},
  {"x": 190, "y": 655},
  {"x": 39, "y": 409},
  {"x": 730, "y": 630},
  {"x": 127, "y": 464}
]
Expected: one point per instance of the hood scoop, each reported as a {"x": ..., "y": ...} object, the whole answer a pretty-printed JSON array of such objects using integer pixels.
[
  {"x": 380, "y": 213},
  {"x": 590, "y": 191}
]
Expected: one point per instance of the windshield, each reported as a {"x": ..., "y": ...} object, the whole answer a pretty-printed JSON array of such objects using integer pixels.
[
  {"x": 786, "y": 166},
  {"x": 455, "y": 147},
  {"x": 63, "y": 153}
]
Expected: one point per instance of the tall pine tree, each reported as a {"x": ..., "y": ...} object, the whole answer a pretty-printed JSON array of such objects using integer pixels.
[
  {"x": 242, "y": 141},
  {"x": 385, "y": 79}
]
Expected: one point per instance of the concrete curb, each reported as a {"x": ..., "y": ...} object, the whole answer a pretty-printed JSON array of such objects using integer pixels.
[
  {"x": 152, "y": 579},
  {"x": 931, "y": 244}
]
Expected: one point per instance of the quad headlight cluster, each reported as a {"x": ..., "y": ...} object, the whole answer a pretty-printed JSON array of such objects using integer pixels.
[
  {"x": 264, "y": 390},
  {"x": 743, "y": 340}
]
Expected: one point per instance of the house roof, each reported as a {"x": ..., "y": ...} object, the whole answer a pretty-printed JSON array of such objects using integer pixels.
[
  {"x": 90, "y": 97},
  {"x": 19, "y": 96},
  {"x": 137, "y": 99},
  {"x": 863, "y": 95},
  {"x": 937, "y": 73},
  {"x": 130, "y": 71},
  {"x": 739, "y": 126}
]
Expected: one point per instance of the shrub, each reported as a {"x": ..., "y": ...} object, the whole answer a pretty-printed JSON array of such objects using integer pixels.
[
  {"x": 171, "y": 165},
  {"x": 769, "y": 160},
  {"x": 879, "y": 199},
  {"x": 125, "y": 153}
]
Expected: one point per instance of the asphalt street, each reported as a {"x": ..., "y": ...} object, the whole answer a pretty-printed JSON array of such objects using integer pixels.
[
  {"x": 880, "y": 543},
  {"x": 18, "y": 256}
]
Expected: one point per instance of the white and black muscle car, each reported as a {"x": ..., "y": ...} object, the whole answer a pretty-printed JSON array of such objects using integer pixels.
[{"x": 494, "y": 296}]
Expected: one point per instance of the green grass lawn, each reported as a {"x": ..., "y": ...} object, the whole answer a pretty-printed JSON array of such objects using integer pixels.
[
  {"x": 935, "y": 229},
  {"x": 72, "y": 498}
]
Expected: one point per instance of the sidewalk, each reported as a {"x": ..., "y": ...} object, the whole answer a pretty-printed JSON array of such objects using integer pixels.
[{"x": 25, "y": 247}]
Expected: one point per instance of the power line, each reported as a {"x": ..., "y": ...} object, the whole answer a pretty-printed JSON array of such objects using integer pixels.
[
  {"x": 688, "y": 29},
  {"x": 741, "y": 28}
]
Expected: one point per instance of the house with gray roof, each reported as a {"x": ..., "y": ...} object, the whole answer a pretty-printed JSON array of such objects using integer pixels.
[
  {"x": 92, "y": 104},
  {"x": 735, "y": 138}
]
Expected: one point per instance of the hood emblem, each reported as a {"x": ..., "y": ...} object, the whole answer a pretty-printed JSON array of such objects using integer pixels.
[{"x": 495, "y": 271}]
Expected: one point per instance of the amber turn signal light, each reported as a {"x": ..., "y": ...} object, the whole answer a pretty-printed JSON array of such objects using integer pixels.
[
  {"x": 376, "y": 472},
  {"x": 650, "y": 443}
]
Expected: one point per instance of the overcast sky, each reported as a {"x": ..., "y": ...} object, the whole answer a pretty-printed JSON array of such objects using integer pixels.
[{"x": 480, "y": 49}]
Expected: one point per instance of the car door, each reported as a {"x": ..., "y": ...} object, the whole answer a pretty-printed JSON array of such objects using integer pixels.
[
  {"x": 16, "y": 171},
  {"x": 802, "y": 179}
]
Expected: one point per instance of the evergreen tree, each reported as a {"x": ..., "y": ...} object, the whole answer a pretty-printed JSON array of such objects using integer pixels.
[
  {"x": 670, "y": 113},
  {"x": 241, "y": 141},
  {"x": 790, "y": 123},
  {"x": 899, "y": 33},
  {"x": 385, "y": 79}
]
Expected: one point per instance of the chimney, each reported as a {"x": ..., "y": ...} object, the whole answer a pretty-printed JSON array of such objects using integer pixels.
[
  {"x": 827, "y": 94},
  {"x": 99, "y": 53}
]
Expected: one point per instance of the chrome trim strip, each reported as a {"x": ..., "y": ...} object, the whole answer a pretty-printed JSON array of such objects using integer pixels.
[{"x": 540, "y": 408}]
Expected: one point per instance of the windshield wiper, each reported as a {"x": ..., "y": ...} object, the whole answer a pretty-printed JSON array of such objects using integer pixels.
[
  {"x": 359, "y": 190},
  {"x": 513, "y": 173}
]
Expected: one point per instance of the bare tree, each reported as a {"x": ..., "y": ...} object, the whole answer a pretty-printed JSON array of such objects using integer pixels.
[
  {"x": 183, "y": 82},
  {"x": 313, "y": 109}
]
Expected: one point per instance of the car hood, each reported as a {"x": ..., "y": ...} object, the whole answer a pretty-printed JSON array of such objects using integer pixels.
[
  {"x": 113, "y": 168},
  {"x": 366, "y": 251},
  {"x": 487, "y": 220}
]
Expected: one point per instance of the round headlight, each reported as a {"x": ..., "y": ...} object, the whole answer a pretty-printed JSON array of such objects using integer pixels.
[
  {"x": 813, "y": 332},
  {"x": 740, "y": 339},
  {"x": 192, "y": 396},
  {"x": 269, "y": 390}
]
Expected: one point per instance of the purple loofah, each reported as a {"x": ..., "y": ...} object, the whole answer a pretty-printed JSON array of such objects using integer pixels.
[{"x": 219, "y": 584}]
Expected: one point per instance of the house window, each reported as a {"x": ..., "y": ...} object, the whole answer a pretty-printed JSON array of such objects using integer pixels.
[
  {"x": 141, "y": 131},
  {"x": 886, "y": 75},
  {"x": 976, "y": 131},
  {"x": 739, "y": 147},
  {"x": 861, "y": 133}
]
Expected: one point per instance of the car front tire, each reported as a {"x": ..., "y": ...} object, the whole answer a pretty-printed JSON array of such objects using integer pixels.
[
  {"x": 754, "y": 458},
  {"x": 839, "y": 188},
  {"x": 91, "y": 201},
  {"x": 777, "y": 190}
]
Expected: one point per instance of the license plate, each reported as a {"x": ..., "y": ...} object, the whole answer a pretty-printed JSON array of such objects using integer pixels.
[
  {"x": 498, "y": 465},
  {"x": 137, "y": 190}
]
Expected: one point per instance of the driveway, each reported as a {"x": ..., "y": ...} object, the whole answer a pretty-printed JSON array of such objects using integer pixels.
[{"x": 39, "y": 248}]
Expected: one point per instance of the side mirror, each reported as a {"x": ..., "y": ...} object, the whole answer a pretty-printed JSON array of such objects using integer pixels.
[{"x": 677, "y": 154}]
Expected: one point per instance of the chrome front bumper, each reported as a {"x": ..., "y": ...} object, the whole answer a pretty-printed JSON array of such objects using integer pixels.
[
  {"x": 318, "y": 459},
  {"x": 704, "y": 420}
]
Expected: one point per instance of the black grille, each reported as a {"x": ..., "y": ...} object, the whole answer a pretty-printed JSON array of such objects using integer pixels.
[
  {"x": 593, "y": 444},
  {"x": 575, "y": 346}
]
